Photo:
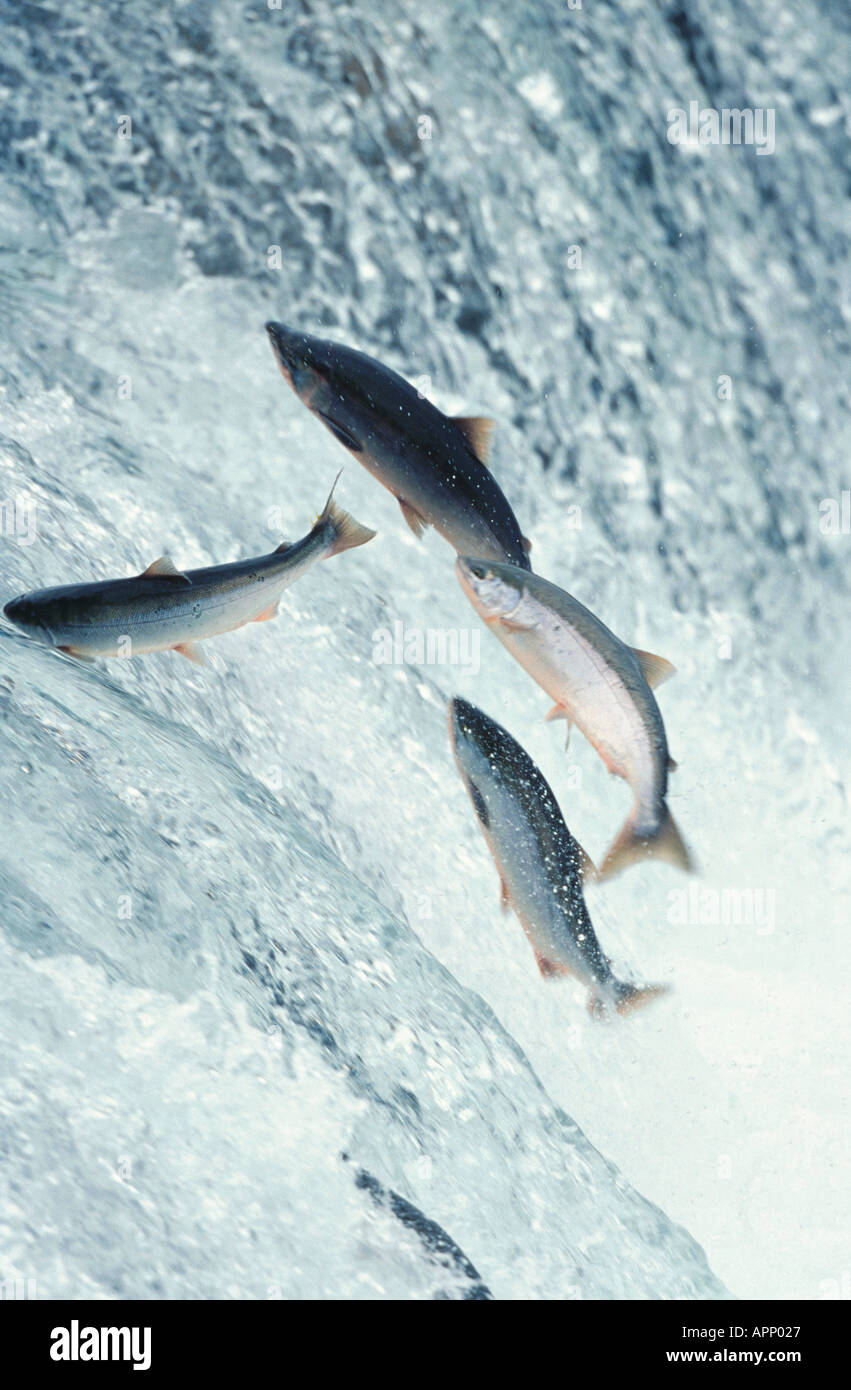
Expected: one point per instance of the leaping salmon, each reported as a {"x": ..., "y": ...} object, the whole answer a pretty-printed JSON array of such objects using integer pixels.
[
  {"x": 166, "y": 610},
  {"x": 433, "y": 465},
  {"x": 599, "y": 684},
  {"x": 541, "y": 867}
]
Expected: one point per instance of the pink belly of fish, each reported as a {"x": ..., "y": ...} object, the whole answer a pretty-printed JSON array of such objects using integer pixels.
[{"x": 576, "y": 676}]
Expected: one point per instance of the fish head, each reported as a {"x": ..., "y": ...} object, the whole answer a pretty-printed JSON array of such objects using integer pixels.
[
  {"x": 338, "y": 384},
  {"x": 304, "y": 360},
  {"x": 32, "y": 614},
  {"x": 495, "y": 590},
  {"x": 471, "y": 734},
  {"x": 467, "y": 726}
]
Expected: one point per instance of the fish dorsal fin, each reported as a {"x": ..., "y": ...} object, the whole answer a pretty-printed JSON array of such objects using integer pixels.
[
  {"x": 587, "y": 869},
  {"x": 163, "y": 568},
  {"x": 655, "y": 668},
  {"x": 477, "y": 430},
  {"x": 279, "y": 549}
]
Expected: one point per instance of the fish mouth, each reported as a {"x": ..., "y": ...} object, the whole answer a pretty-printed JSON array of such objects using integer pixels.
[
  {"x": 23, "y": 613},
  {"x": 18, "y": 611},
  {"x": 303, "y": 360},
  {"x": 293, "y": 350},
  {"x": 282, "y": 345},
  {"x": 462, "y": 723},
  {"x": 462, "y": 715}
]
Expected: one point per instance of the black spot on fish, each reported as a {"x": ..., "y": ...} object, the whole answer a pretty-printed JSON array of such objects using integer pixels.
[
  {"x": 479, "y": 803},
  {"x": 341, "y": 434}
]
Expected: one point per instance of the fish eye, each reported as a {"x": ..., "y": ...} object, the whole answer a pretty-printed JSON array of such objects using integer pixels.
[{"x": 479, "y": 571}]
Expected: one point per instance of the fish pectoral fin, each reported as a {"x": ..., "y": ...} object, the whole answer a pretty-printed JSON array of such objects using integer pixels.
[
  {"x": 417, "y": 523},
  {"x": 504, "y": 895},
  {"x": 164, "y": 568},
  {"x": 193, "y": 652},
  {"x": 550, "y": 969},
  {"x": 654, "y": 668},
  {"x": 268, "y": 613},
  {"x": 507, "y": 623},
  {"x": 477, "y": 430},
  {"x": 527, "y": 544}
]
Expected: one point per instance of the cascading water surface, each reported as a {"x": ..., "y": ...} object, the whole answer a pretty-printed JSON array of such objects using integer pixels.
[{"x": 265, "y": 1031}]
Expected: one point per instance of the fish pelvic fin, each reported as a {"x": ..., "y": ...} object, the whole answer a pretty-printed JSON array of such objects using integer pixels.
[
  {"x": 628, "y": 998},
  {"x": 77, "y": 655},
  {"x": 347, "y": 532},
  {"x": 655, "y": 669},
  {"x": 633, "y": 845},
  {"x": 559, "y": 712},
  {"x": 586, "y": 866},
  {"x": 417, "y": 523}
]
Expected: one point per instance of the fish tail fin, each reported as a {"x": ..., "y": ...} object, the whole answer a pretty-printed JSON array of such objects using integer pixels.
[
  {"x": 625, "y": 1000},
  {"x": 633, "y": 845},
  {"x": 346, "y": 531}
]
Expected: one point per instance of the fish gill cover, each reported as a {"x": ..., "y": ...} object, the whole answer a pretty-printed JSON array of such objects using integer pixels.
[{"x": 251, "y": 945}]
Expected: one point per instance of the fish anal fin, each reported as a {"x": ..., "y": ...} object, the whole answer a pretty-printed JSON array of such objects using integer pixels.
[
  {"x": 672, "y": 765},
  {"x": 268, "y": 613},
  {"x": 417, "y": 523},
  {"x": 550, "y": 969},
  {"x": 655, "y": 669},
  {"x": 164, "y": 568},
  {"x": 477, "y": 430},
  {"x": 193, "y": 652},
  {"x": 285, "y": 545}
]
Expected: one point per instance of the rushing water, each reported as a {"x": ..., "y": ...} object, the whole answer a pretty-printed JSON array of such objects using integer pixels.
[{"x": 265, "y": 1031}]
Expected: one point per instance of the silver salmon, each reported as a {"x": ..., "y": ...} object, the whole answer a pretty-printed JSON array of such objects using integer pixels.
[
  {"x": 599, "y": 684},
  {"x": 541, "y": 867},
  {"x": 166, "y": 610},
  {"x": 432, "y": 464}
]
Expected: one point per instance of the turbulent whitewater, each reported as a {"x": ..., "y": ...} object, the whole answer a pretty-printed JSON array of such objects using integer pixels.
[{"x": 265, "y": 1030}]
